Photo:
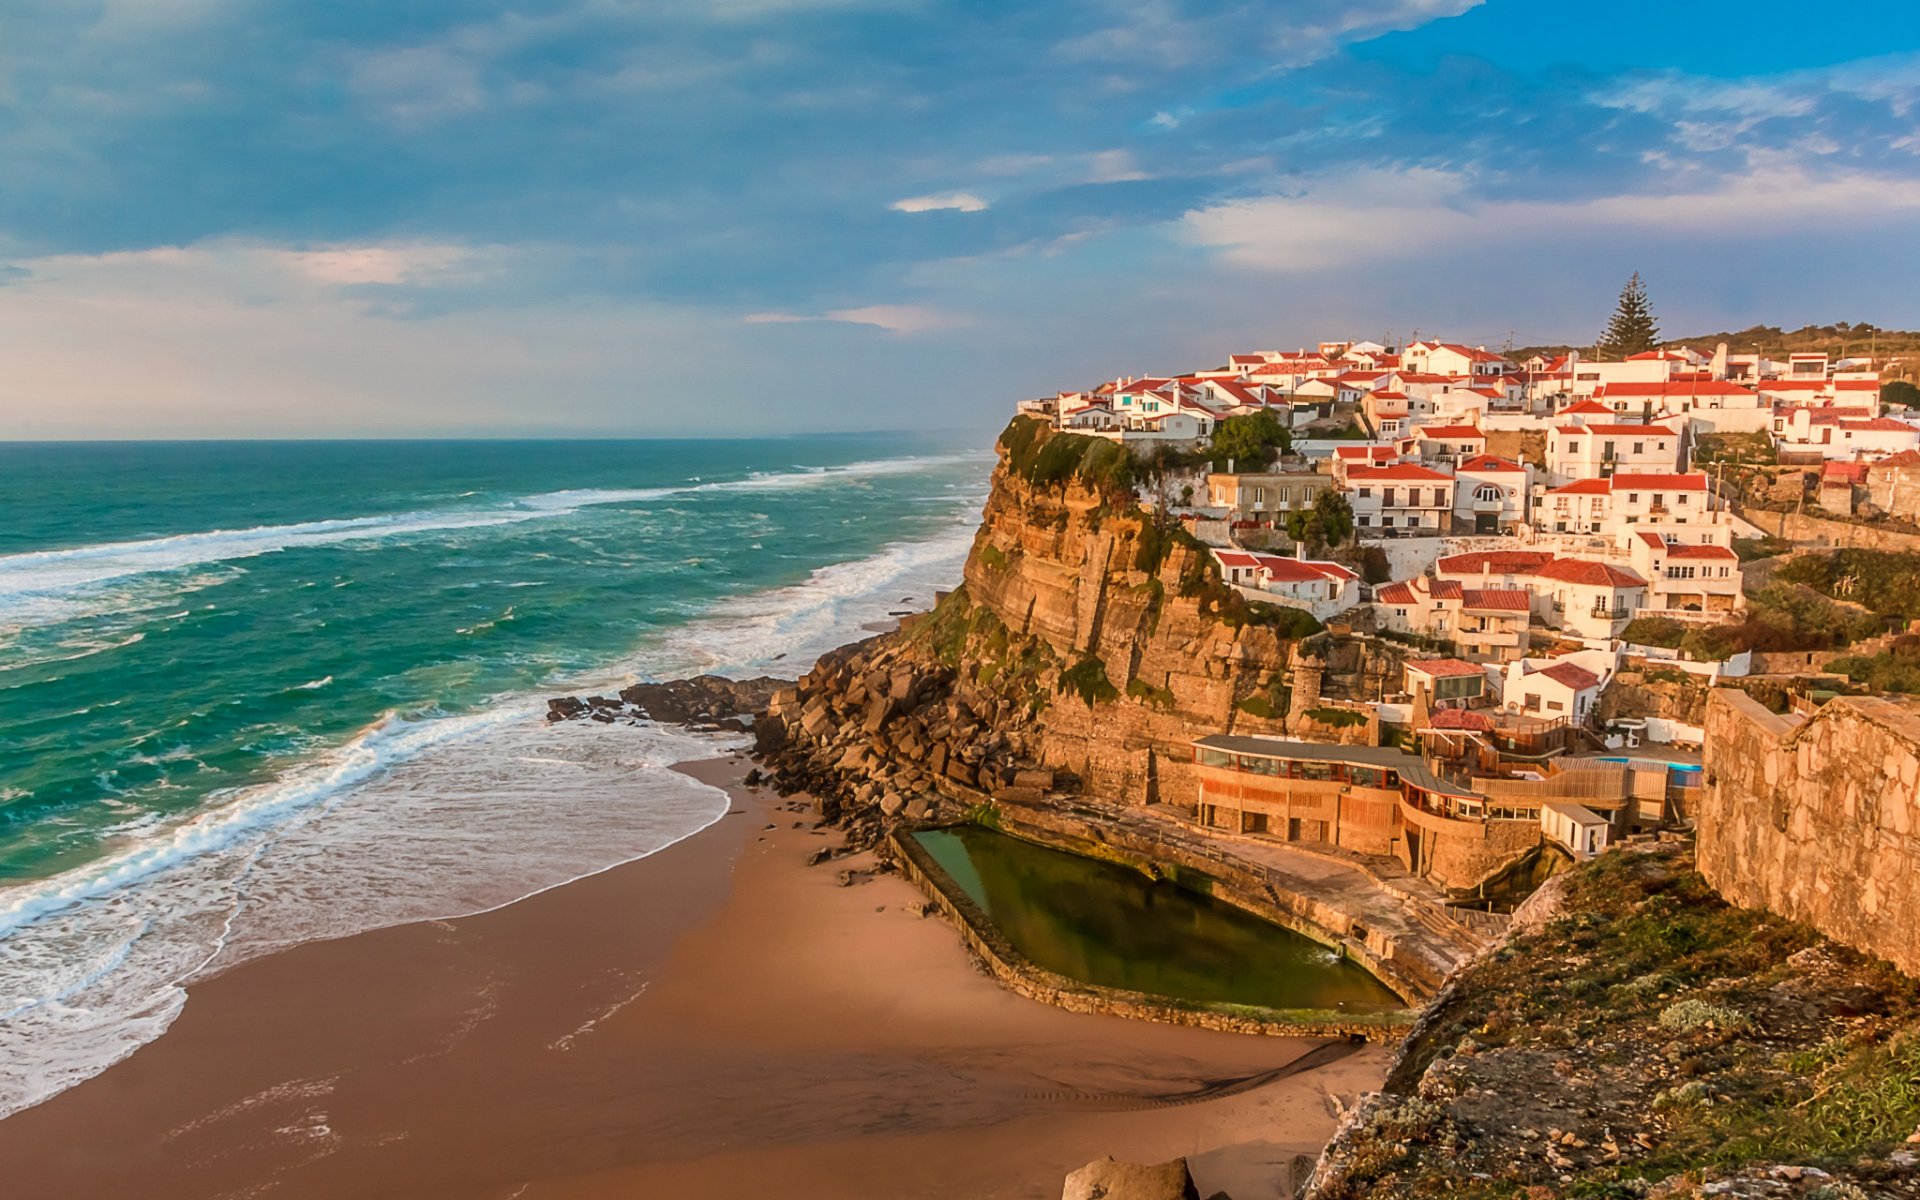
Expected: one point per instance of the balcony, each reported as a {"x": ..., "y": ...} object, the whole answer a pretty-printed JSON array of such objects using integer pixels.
[{"x": 1608, "y": 613}]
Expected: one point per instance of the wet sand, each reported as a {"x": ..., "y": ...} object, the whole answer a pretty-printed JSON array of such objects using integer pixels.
[{"x": 716, "y": 1020}]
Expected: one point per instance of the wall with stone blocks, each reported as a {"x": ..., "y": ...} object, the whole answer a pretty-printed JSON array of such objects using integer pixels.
[{"x": 1818, "y": 818}]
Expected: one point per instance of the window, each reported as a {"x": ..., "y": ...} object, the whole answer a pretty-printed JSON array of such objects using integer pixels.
[
  {"x": 1412, "y": 522},
  {"x": 1366, "y": 493},
  {"x": 1487, "y": 494},
  {"x": 1682, "y": 498},
  {"x": 1633, "y": 497},
  {"x": 1533, "y": 702},
  {"x": 1639, "y": 447},
  {"x": 1555, "y": 706}
]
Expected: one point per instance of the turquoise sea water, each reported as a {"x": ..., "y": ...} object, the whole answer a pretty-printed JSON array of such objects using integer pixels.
[{"x": 280, "y": 690}]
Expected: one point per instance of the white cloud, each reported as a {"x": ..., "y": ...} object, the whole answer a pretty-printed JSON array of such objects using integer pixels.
[
  {"x": 1379, "y": 216},
  {"x": 942, "y": 202},
  {"x": 894, "y": 318}
]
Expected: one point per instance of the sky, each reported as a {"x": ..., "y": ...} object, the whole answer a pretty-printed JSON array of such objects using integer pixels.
[{"x": 270, "y": 218}]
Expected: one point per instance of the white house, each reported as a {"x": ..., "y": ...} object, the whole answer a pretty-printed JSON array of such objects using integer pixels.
[
  {"x": 1552, "y": 689},
  {"x": 1687, "y": 576},
  {"x": 1491, "y": 495},
  {"x": 1402, "y": 499},
  {"x": 1448, "y": 444},
  {"x": 1591, "y": 599},
  {"x": 1321, "y": 588},
  {"x": 1449, "y": 358},
  {"x": 1575, "y": 826},
  {"x": 1827, "y": 433},
  {"x": 1595, "y": 451}
]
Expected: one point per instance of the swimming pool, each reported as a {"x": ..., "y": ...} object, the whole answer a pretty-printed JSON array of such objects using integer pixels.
[{"x": 1689, "y": 768}]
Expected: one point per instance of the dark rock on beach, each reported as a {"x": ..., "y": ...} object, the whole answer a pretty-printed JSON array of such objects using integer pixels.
[{"x": 703, "y": 702}]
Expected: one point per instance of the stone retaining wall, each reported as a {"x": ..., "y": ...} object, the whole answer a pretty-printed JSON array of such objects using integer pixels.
[
  {"x": 1818, "y": 819},
  {"x": 1022, "y": 976}
]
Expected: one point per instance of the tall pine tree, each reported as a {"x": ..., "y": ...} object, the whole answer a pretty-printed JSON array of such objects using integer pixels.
[{"x": 1632, "y": 328}]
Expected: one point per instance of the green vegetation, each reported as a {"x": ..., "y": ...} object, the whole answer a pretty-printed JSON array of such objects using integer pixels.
[
  {"x": 1250, "y": 442},
  {"x": 1754, "y": 549},
  {"x": 993, "y": 558},
  {"x": 1160, "y": 697},
  {"x": 1649, "y": 995},
  {"x": 1631, "y": 329},
  {"x": 1271, "y": 703},
  {"x": 1886, "y": 582},
  {"x": 1748, "y": 448},
  {"x": 1329, "y": 522},
  {"x": 1900, "y": 392},
  {"x": 1897, "y": 669},
  {"x": 1157, "y": 540},
  {"x": 1047, "y": 459},
  {"x": 944, "y": 630},
  {"x": 1701, "y": 643},
  {"x": 1841, "y": 339},
  {"x": 1337, "y": 718},
  {"x": 1088, "y": 680},
  {"x": 1664, "y": 632}
]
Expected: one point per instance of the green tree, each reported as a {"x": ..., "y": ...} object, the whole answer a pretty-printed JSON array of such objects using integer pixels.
[
  {"x": 1632, "y": 328},
  {"x": 1249, "y": 441},
  {"x": 1901, "y": 392},
  {"x": 1328, "y": 522}
]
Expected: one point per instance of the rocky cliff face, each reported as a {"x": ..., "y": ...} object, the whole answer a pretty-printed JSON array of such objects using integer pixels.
[{"x": 1085, "y": 648}]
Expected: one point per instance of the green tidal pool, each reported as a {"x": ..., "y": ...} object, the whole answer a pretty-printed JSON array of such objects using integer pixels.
[{"x": 1104, "y": 924}]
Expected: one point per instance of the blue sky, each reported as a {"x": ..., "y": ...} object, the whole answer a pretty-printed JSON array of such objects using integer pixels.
[{"x": 239, "y": 217}]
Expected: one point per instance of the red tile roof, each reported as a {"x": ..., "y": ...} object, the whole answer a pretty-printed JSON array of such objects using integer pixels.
[
  {"x": 1577, "y": 678},
  {"x": 1587, "y": 408},
  {"x": 1583, "y": 487},
  {"x": 1580, "y": 570},
  {"x": 1879, "y": 425},
  {"x": 1441, "y": 668},
  {"x": 1618, "y": 430},
  {"x": 1499, "y": 562},
  {"x": 1687, "y": 387},
  {"x": 1688, "y": 550},
  {"x": 1490, "y": 462},
  {"x": 1906, "y": 458},
  {"x": 1395, "y": 593},
  {"x": 1397, "y": 472},
  {"x": 1692, "y": 481},
  {"x": 1460, "y": 718},
  {"x": 1451, "y": 432},
  {"x": 1499, "y": 599},
  {"x": 1445, "y": 589}
]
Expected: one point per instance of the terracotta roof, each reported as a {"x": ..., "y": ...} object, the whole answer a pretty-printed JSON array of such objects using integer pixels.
[
  {"x": 1290, "y": 570},
  {"x": 1583, "y": 487},
  {"x": 1502, "y": 562},
  {"x": 1445, "y": 589},
  {"x": 1692, "y": 481},
  {"x": 1489, "y": 462},
  {"x": 1577, "y": 678},
  {"x": 1431, "y": 432},
  {"x": 1906, "y": 458},
  {"x": 1381, "y": 453},
  {"x": 1499, "y": 599},
  {"x": 1397, "y": 472},
  {"x": 1441, "y": 668},
  {"x": 1580, "y": 570},
  {"x": 1236, "y": 558},
  {"x": 1395, "y": 593},
  {"x": 1879, "y": 425},
  {"x": 1688, "y": 550},
  {"x": 1587, "y": 408},
  {"x": 1848, "y": 472}
]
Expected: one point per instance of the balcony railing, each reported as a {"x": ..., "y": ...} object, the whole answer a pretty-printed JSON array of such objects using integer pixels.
[{"x": 1611, "y": 614}]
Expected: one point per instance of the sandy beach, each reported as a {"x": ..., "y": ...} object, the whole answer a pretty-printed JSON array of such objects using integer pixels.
[{"x": 717, "y": 1019}]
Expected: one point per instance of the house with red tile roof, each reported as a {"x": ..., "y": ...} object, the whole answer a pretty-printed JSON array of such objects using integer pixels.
[
  {"x": 1445, "y": 445},
  {"x": 1491, "y": 495},
  {"x": 1830, "y": 433},
  {"x": 1556, "y": 689},
  {"x": 1484, "y": 624},
  {"x": 1588, "y": 597},
  {"x": 1688, "y": 577},
  {"x": 1321, "y": 588},
  {"x": 1594, "y": 450},
  {"x": 1451, "y": 358},
  {"x": 1401, "y": 500}
]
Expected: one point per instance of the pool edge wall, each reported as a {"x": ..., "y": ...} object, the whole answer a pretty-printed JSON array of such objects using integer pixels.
[{"x": 1020, "y": 975}]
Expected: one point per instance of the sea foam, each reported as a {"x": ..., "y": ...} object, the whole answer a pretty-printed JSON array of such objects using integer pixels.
[{"x": 408, "y": 820}]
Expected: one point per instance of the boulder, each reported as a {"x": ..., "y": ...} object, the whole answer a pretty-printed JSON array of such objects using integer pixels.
[
  {"x": 892, "y": 803},
  {"x": 566, "y": 708},
  {"x": 1039, "y": 780},
  {"x": 1106, "y": 1179}
]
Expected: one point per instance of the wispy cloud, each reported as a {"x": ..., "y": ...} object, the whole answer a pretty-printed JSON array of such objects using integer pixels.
[
  {"x": 941, "y": 202},
  {"x": 894, "y": 318}
]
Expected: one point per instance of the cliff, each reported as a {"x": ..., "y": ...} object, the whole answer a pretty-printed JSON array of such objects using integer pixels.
[
  {"x": 1637, "y": 1036},
  {"x": 1818, "y": 818},
  {"x": 1084, "y": 649}
]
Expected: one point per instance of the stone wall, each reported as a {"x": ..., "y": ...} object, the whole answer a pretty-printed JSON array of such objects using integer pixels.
[
  {"x": 1818, "y": 819},
  {"x": 1820, "y": 532}
]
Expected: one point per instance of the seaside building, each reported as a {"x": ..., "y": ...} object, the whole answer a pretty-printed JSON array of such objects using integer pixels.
[{"x": 1400, "y": 500}]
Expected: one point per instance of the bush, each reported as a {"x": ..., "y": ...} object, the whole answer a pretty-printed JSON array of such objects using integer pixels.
[
  {"x": 1337, "y": 718},
  {"x": 1664, "y": 632},
  {"x": 1250, "y": 442},
  {"x": 1047, "y": 459},
  {"x": 1088, "y": 680},
  {"x": 1895, "y": 670},
  {"x": 1887, "y": 582},
  {"x": 1750, "y": 549}
]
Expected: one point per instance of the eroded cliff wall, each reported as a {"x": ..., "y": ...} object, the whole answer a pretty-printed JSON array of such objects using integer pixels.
[{"x": 1818, "y": 819}]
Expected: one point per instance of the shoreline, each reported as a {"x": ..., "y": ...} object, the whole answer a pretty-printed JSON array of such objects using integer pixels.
[{"x": 760, "y": 1024}]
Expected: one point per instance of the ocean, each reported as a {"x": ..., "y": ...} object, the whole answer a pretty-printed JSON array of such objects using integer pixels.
[{"x": 253, "y": 694}]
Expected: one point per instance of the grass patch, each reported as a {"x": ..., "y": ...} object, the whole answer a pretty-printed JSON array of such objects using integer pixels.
[
  {"x": 1143, "y": 691},
  {"x": 1337, "y": 718},
  {"x": 993, "y": 558}
]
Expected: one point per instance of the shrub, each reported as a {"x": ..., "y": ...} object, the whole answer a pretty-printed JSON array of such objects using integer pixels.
[
  {"x": 993, "y": 558},
  {"x": 1664, "y": 632},
  {"x": 1140, "y": 689},
  {"x": 1687, "y": 1016},
  {"x": 1886, "y": 582},
  {"x": 1088, "y": 680},
  {"x": 1337, "y": 718},
  {"x": 1250, "y": 442}
]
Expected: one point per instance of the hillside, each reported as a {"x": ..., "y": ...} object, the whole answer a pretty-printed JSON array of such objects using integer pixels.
[
  {"x": 1639, "y": 1037},
  {"x": 1838, "y": 340}
]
